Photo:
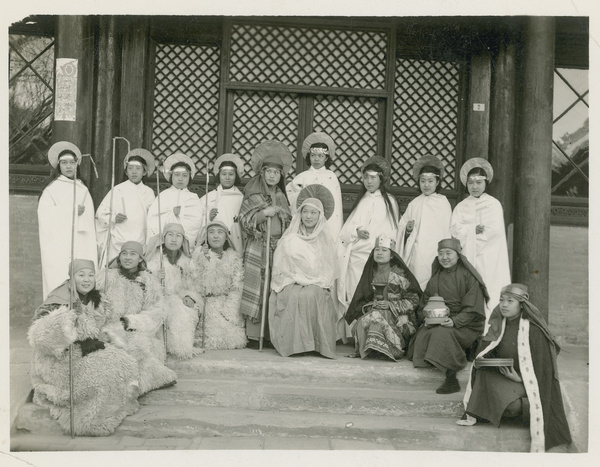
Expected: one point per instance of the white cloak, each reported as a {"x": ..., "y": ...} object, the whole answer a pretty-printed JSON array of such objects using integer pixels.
[
  {"x": 228, "y": 202},
  {"x": 189, "y": 216},
  {"x": 486, "y": 251},
  {"x": 330, "y": 181},
  {"x": 432, "y": 223},
  {"x": 352, "y": 253},
  {"x": 55, "y": 215},
  {"x": 133, "y": 201}
]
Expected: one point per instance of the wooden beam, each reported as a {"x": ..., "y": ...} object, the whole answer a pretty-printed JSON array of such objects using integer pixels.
[
  {"x": 478, "y": 111},
  {"x": 534, "y": 160}
]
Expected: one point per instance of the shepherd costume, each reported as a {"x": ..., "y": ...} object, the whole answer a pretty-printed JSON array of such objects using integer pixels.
[
  {"x": 386, "y": 331},
  {"x": 322, "y": 176},
  {"x": 131, "y": 200},
  {"x": 55, "y": 217},
  {"x": 254, "y": 224},
  {"x": 137, "y": 301},
  {"x": 302, "y": 316},
  {"x": 465, "y": 295},
  {"x": 528, "y": 341},
  {"x": 486, "y": 251},
  {"x": 105, "y": 376},
  {"x": 215, "y": 279},
  {"x": 181, "y": 319}
]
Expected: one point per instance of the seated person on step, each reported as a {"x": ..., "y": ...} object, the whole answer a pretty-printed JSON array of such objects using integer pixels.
[{"x": 519, "y": 331}]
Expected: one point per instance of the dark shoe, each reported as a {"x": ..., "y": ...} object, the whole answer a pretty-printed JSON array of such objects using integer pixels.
[{"x": 450, "y": 386}]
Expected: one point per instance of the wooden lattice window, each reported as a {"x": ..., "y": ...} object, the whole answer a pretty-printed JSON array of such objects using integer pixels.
[
  {"x": 425, "y": 117},
  {"x": 186, "y": 102},
  {"x": 31, "y": 98}
]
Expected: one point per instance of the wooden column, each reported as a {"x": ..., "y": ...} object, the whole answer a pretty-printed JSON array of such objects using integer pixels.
[
  {"x": 534, "y": 160},
  {"x": 137, "y": 87},
  {"x": 503, "y": 129},
  {"x": 478, "y": 119},
  {"x": 106, "y": 122},
  {"x": 75, "y": 39}
]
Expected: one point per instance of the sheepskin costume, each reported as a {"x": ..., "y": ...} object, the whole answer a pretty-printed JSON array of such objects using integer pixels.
[
  {"x": 105, "y": 381},
  {"x": 139, "y": 300},
  {"x": 181, "y": 320},
  {"x": 219, "y": 280}
]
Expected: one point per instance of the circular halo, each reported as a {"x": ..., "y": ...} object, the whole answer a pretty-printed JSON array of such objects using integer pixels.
[
  {"x": 173, "y": 159},
  {"x": 271, "y": 148},
  {"x": 146, "y": 155},
  {"x": 428, "y": 160},
  {"x": 318, "y": 137},
  {"x": 59, "y": 147},
  {"x": 381, "y": 162},
  {"x": 321, "y": 193},
  {"x": 229, "y": 157},
  {"x": 473, "y": 163}
]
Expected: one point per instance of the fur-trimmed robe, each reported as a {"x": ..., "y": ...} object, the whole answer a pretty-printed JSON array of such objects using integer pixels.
[
  {"x": 181, "y": 320},
  {"x": 139, "y": 301},
  {"x": 105, "y": 382},
  {"x": 220, "y": 282}
]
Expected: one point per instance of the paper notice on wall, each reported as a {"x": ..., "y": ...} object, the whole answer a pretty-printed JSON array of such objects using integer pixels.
[{"x": 65, "y": 96}]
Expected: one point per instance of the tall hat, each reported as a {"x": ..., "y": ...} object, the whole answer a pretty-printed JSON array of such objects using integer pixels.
[
  {"x": 428, "y": 161},
  {"x": 229, "y": 157},
  {"x": 381, "y": 162},
  {"x": 178, "y": 157},
  {"x": 318, "y": 137},
  {"x": 272, "y": 152},
  {"x": 318, "y": 192},
  {"x": 57, "y": 148},
  {"x": 385, "y": 241},
  {"x": 144, "y": 154},
  {"x": 473, "y": 163}
]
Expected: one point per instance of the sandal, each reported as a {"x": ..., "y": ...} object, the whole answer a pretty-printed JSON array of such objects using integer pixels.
[{"x": 466, "y": 420}]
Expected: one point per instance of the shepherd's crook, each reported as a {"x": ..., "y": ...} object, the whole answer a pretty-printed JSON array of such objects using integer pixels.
[
  {"x": 71, "y": 404},
  {"x": 160, "y": 242},
  {"x": 266, "y": 287}
]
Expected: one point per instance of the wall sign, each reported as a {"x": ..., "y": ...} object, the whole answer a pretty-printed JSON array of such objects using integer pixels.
[{"x": 65, "y": 99}]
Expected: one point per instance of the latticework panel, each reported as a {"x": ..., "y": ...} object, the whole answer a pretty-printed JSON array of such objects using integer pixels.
[
  {"x": 262, "y": 116},
  {"x": 352, "y": 123},
  {"x": 425, "y": 117},
  {"x": 304, "y": 56},
  {"x": 186, "y": 102}
]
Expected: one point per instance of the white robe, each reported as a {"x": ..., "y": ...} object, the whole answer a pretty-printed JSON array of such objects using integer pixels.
[
  {"x": 189, "y": 216},
  {"x": 352, "y": 252},
  {"x": 133, "y": 201},
  {"x": 432, "y": 223},
  {"x": 487, "y": 251},
  {"x": 330, "y": 181},
  {"x": 55, "y": 215},
  {"x": 228, "y": 202}
]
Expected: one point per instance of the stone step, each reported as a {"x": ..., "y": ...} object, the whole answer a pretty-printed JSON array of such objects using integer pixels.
[
  {"x": 323, "y": 397},
  {"x": 405, "y": 433}
]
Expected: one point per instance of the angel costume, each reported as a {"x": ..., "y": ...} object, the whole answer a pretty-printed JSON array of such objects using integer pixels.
[
  {"x": 55, "y": 216},
  {"x": 228, "y": 202},
  {"x": 302, "y": 316}
]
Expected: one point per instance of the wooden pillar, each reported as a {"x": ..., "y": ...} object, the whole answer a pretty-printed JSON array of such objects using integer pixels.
[
  {"x": 478, "y": 112},
  {"x": 107, "y": 104},
  {"x": 137, "y": 86},
  {"x": 75, "y": 39},
  {"x": 534, "y": 160},
  {"x": 503, "y": 129}
]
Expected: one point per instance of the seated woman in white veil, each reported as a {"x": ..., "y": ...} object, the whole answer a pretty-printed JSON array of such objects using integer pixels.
[{"x": 302, "y": 316}]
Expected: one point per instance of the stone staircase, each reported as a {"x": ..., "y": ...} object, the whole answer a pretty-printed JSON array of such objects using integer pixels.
[{"x": 247, "y": 393}]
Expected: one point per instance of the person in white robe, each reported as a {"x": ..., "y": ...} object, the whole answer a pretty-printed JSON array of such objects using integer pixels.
[
  {"x": 478, "y": 222},
  {"x": 130, "y": 203},
  {"x": 374, "y": 213},
  {"x": 426, "y": 220},
  {"x": 55, "y": 217},
  {"x": 319, "y": 150},
  {"x": 181, "y": 311},
  {"x": 177, "y": 204},
  {"x": 225, "y": 201}
]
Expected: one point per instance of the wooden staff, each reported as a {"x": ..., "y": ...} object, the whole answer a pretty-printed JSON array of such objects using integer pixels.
[
  {"x": 266, "y": 287},
  {"x": 206, "y": 220},
  {"x": 160, "y": 242},
  {"x": 73, "y": 288},
  {"x": 110, "y": 212}
]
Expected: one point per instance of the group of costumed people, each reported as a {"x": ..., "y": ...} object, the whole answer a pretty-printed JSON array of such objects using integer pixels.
[{"x": 276, "y": 261}]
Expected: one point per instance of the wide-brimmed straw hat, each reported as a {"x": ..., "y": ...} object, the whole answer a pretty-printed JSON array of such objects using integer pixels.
[
  {"x": 318, "y": 137},
  {"x": 229, "y": 157},
  {"x": 59, "y": 147},
  {"x": 178, "y": 157},
  {"x": 144, "y": 154},
  {"x": 319, "y": 192},
  {"x": 271, "y": 151},
  {"x": 473, "y": 163}
]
